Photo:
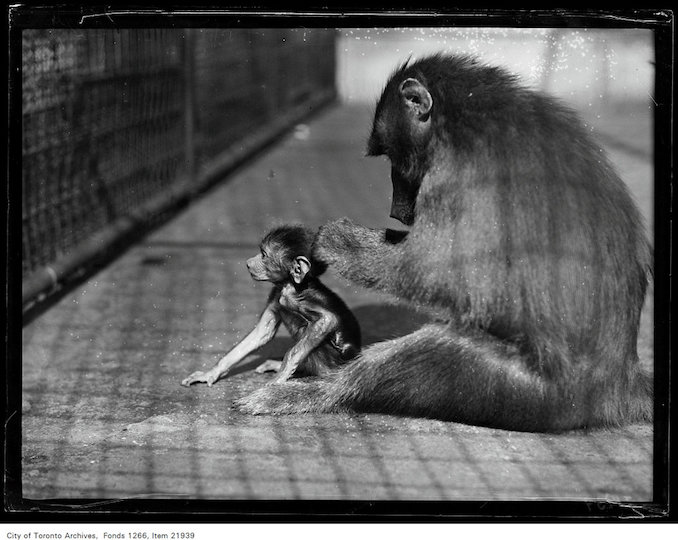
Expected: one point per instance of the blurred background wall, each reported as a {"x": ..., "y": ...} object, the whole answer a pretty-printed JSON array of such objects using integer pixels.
[
  {"x": 606, "y": 75},
  {"x": 589, "y": 68}
]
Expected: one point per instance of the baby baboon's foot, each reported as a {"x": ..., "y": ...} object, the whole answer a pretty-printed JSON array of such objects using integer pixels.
[{"x": 269, "y": 365}]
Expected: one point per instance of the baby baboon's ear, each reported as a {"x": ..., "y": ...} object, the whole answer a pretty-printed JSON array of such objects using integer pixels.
[{"x": 300, "y": 267}]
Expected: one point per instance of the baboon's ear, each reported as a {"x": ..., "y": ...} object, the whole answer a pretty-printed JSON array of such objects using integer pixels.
[
  {"x": 417, "y": 98},
  {"x": 300, "y": 267}
]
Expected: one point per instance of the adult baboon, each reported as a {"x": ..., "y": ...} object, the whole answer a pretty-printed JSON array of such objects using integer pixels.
[{"x": 522, "y": 230}]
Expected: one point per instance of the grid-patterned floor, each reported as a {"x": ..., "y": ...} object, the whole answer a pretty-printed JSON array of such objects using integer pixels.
[{"x": 105, "y": 416}]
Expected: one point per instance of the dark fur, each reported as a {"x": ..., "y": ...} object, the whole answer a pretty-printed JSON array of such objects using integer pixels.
[
  {"x": 300, "y": 307},
  {"x": 288, "y": 241},
  {"x": 524, "y": 232}
]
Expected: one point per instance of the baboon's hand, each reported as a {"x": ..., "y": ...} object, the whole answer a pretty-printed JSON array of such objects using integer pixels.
[
  {"x": 208, "y": 377},
  {"x": 338, "y": 240},
  {"x": 291, "y": 397},
  {"x": 256, "y": 403}
]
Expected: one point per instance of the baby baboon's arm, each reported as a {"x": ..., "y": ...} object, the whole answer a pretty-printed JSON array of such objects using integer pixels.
[
  {"x": 314, "y": 335},
  {"x": 262, "y": 333}
]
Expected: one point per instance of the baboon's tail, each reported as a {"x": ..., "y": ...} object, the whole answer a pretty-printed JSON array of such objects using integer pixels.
[{"x": 436, "y": 373}]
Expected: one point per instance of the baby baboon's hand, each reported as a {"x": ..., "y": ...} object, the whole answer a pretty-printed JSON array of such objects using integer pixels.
[{"x": 208, "y": 377}]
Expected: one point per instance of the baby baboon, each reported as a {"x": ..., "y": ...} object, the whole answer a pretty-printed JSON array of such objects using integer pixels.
[{"x": 325, "y": 332}]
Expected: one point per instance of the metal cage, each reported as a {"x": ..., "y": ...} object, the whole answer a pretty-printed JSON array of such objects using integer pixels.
[{"x": 118, "y": 124}]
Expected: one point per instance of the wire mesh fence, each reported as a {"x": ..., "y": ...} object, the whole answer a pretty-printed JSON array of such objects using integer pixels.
[
  {"x": 283, "y": 70},
  {"x": 116, "y": 123}
]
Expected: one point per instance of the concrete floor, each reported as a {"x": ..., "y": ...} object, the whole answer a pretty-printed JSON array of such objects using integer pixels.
[{"x": 104, "y": 415}]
